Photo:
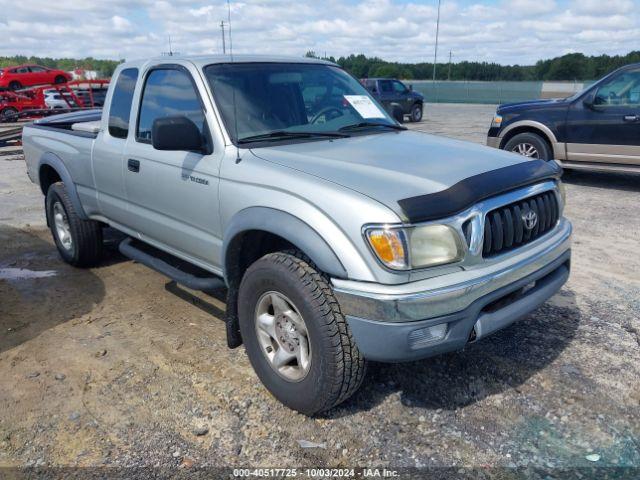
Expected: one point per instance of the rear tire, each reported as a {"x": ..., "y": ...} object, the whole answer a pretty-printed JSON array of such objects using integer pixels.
[
  {"x": 79, "y": 242},
  {"x": 334, "y": 368},
  {"x": 530, "y": 145},
  {"x": 416, "y": 113}
]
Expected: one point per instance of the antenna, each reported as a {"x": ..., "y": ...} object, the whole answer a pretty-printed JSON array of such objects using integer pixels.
[
  {"x": 229, "y": 23},
  {"x": 233, "y": 91},
  {"x": 224, "y": 49},
  {"x": 170, "y": 53}
]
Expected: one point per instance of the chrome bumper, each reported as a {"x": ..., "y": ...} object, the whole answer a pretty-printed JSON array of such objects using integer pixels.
[{"x": 449, "y": 293}]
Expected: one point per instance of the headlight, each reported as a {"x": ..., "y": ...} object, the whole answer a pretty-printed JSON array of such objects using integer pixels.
[
  {"x": 496, "y": 122},
  {"x": 415, "y": 247}
]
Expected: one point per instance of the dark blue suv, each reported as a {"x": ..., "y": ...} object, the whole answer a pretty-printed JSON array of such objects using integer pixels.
[
  {"x": 396, "y": 98},
  {"x": 596, "y": 129}
]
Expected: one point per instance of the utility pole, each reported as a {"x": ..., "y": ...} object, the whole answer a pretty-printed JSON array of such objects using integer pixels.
[
  {"x": 224, "y": 47},
  {"x": 435, "y": 55},
  {"x": 450, "y": 55}
]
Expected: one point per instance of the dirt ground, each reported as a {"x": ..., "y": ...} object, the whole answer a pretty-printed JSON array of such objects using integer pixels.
[{"x": 117, "y": 366}]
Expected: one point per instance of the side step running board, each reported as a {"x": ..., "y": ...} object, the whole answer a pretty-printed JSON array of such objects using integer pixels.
[{"x": 156, "y": 263}]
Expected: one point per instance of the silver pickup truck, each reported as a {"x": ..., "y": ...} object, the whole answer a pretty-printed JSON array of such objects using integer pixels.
[{"x": 340, "y": 236}]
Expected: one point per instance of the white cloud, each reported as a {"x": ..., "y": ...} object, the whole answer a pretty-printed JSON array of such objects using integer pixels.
[
  {"x": 506, "y": 31},
  {"x": 530, "y": 7},
  {"x": 598, "y": 7},
  {"x": 120, "y": 24}
]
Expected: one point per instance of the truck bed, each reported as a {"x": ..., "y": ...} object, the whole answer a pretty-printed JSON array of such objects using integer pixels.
[{"x": 55, "y": 137}]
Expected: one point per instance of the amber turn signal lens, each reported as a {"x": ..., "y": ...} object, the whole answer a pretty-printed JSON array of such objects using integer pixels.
[{"x": 389, "y": 247}]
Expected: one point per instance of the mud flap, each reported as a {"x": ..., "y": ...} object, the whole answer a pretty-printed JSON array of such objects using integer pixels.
[{"x": 234, "y": 339}]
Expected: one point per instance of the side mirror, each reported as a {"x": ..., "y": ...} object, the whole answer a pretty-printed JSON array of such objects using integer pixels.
[{"x": 176, "y": 133}]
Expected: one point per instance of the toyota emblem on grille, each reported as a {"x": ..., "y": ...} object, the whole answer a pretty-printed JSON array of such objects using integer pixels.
[{"x": 530, "y": 219}]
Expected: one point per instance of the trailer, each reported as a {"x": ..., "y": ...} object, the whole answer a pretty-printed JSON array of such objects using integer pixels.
[{"x": 30, "y": 102}]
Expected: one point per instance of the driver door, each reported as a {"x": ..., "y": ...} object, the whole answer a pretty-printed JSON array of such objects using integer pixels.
[
  {"x": 173, "y": 195},
  {"x": 605, "y": 127}
]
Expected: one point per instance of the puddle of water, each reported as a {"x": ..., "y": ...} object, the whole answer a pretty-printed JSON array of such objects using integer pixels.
[{"x": 24, "y": 274}]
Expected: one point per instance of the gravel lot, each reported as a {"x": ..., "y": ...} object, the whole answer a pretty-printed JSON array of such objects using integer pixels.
[{"x": 117, "y": 366}]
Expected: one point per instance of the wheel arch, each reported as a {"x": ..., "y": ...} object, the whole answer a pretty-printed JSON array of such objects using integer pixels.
[
  {"x": 257, "y": 231},
  {"x": 272, "y": 224},
  {"x": 51, "y": 169},
  {"x": 531, "y": 127}
]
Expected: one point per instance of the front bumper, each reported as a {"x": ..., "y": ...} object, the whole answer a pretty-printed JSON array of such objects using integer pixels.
[
  {"x": 392, "y": 322},
  {"x": 493, "y": 142}
]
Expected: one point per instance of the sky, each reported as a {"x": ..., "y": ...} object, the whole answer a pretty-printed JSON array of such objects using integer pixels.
[{"x": 503, "y": 31}]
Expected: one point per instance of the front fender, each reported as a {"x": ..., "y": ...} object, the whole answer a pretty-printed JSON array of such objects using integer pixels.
[
  {"x": 290, "y": 228},
  {"x": 57, "y": 164}
]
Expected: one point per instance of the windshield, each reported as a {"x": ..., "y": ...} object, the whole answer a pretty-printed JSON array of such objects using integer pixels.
[{"x": 291, "y": 101}]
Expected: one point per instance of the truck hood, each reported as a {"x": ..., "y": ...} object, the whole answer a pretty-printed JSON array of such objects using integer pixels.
[
  {"x": 532, "y": 104},
  {"x": 393, "y": 166}
]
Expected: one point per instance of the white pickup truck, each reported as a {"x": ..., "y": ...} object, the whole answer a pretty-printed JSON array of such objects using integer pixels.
[{"x": 340, "y": 236}]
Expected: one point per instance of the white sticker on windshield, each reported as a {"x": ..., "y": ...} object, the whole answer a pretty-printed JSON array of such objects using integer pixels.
[{"x": 364, "y": 106}]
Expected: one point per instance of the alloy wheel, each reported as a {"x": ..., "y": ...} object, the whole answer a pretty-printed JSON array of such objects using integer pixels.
[{"x": 283, "y": 336}]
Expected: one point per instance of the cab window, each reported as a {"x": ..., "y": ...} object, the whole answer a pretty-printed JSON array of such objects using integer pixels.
[
  {"x": 168, "y": 92},
  {"x": 385, "y": 86},
  {"x": 622, "y": 90},
  {"x": 399, "y": 87},
  {"x": 121, "y": 101}
]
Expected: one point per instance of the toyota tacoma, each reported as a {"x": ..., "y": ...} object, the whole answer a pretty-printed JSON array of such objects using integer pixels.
[{"x": 339, "y": 236}]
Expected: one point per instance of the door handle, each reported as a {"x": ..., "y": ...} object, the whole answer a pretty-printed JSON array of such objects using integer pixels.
[
  {"x": 631, "y": 118},
  {"x": 133, "y": 165}
]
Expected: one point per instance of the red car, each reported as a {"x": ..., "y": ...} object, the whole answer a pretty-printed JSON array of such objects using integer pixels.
[{"x": 22, "y": 76}]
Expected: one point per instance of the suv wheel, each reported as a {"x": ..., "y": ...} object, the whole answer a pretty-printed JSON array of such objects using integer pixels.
[
  {"x": 295, "y": 336},
  {"x": 530, "y": 145},
  {"x": 79, "y": 242},
  {"x": 416, "y": 113}
]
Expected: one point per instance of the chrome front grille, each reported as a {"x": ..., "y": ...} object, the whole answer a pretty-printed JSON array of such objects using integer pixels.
[{"x": 518, "y": 223}]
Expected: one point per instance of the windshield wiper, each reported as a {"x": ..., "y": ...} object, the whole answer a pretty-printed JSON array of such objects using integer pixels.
[
  {"x": 357, "y": 126},
  {"x": 280, "y": 134}
]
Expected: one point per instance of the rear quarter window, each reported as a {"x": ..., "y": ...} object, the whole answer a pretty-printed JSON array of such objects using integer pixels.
[{"x": 121, "y": 103}]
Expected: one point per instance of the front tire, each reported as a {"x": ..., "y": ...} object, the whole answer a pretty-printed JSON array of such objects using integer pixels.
[
  {"x": 60, "y": 79},
  {"x": 15, "y": 85},
  {"x": 530, "y": 145},
  {"x": 79, "y": 242},
  {"x": 295, "y": 336},
  {"x": 416, "y": 113}
]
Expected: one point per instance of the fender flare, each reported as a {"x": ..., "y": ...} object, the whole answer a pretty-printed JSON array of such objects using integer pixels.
[
  {"x": 57, "y": 164},
  {"x": 532, "y": 124},
  {"x": 290, "y": 228},
  {"x": 558, "y": 148}
]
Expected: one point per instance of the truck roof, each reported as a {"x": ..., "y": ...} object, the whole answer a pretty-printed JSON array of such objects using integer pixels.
[{"x": 203, "y": 60}]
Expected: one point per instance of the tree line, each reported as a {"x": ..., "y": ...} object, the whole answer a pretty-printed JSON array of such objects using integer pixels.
[
  {"x": 573, "y": 66},
  {"x": 105, "y": 67}
]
